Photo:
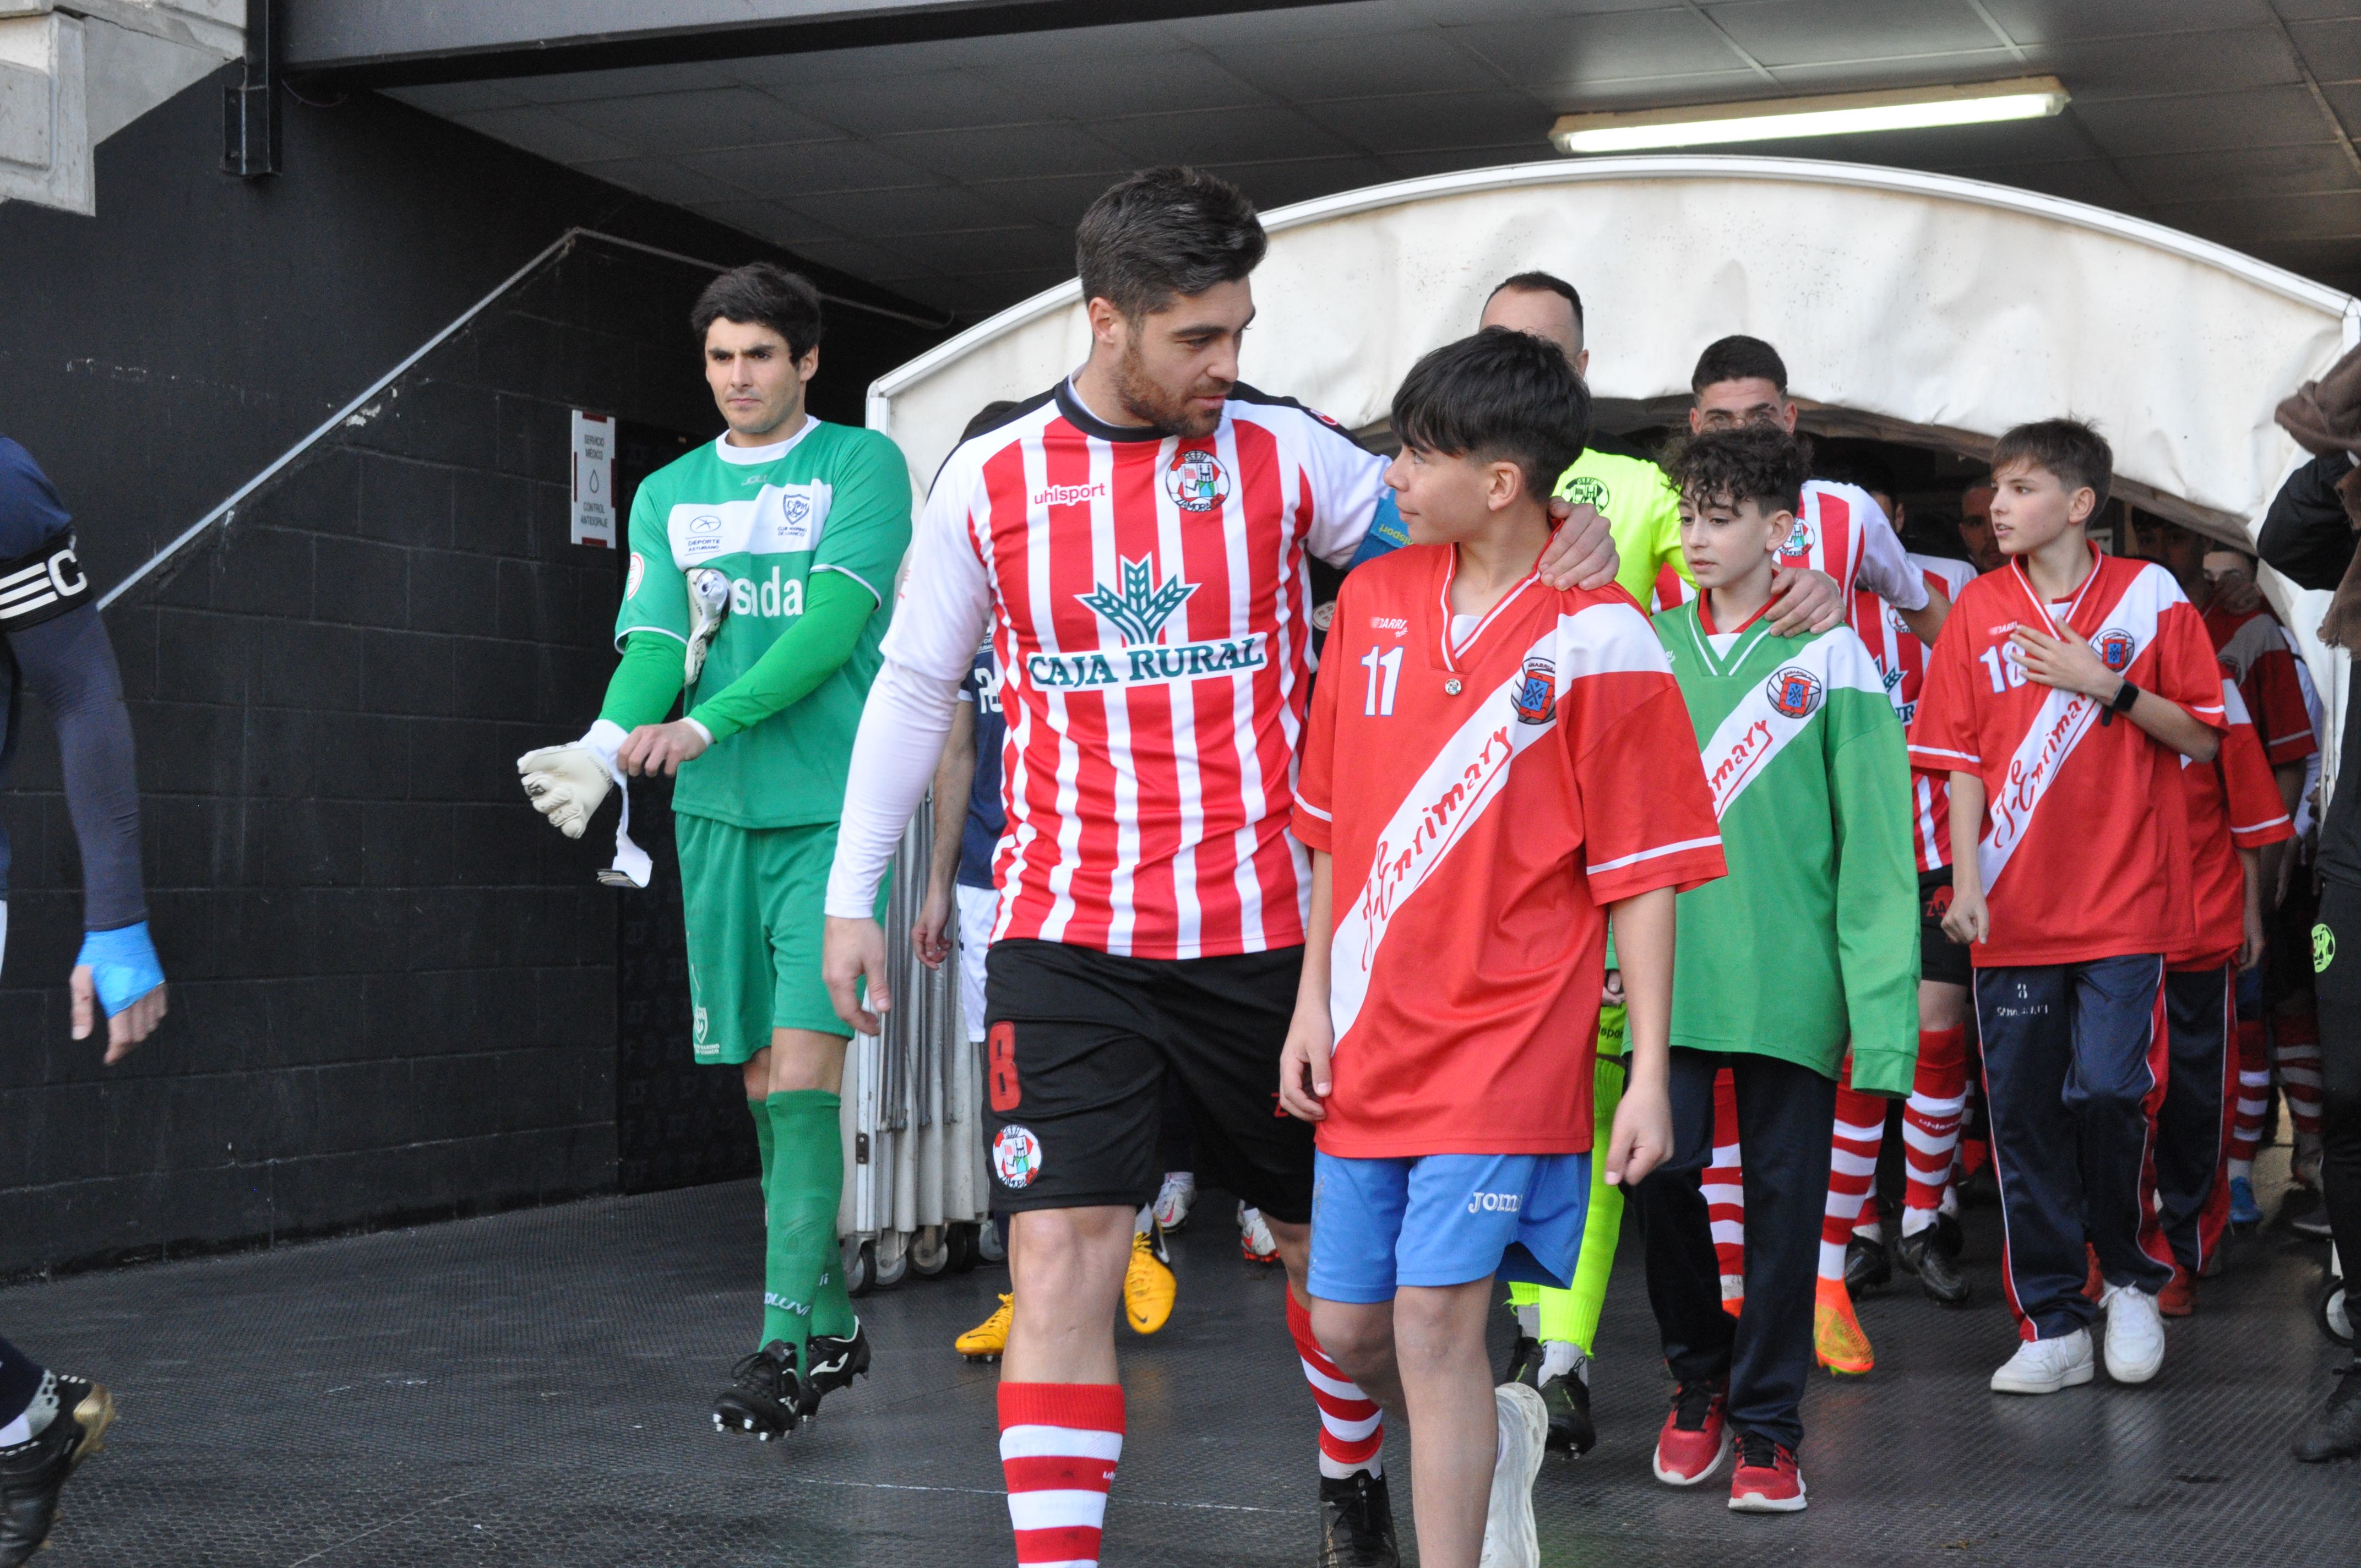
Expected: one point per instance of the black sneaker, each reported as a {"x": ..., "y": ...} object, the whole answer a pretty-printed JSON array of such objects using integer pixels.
[
  {"x": 1949, "y": 1240},
  {"x": 2335, "y": 1431},
  {"x": 1867, "y": 1266},
  {"x": 1524, "y": 1363},
  {"x": 1923, "y": 1256},
  {"x": 1356, "y": 1523},
  {"x": 764, "y": 1399},
  {"x": 1567, "y": 1397},
  {"x": 832, "y": 1362},
  {"x": 33, "y": 1473}
]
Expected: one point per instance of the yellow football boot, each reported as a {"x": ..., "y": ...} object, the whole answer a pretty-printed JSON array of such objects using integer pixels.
[
  {"x": 1837, "y": 1338},
  {"x": 1149, "y": 1287},
  {"x": 989, "y": 1338}
]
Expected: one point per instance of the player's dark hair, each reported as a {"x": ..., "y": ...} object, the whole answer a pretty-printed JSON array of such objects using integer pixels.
[
  {"x": 1539, "y": 283},
  {"x": 766, "y": 294},
  {"x": 1758, "y": 462},
  {"x": 1738, "y": 359},
  {"x": 2068, "y": 448},
  {"x": 1501, "y": 395},
  {"x": 1165, "y": 231}
]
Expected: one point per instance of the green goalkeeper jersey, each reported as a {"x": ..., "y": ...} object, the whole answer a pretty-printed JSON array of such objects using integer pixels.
[
  {"x": 830, "y": 498},
  {"x": 1812, "y": 939}
]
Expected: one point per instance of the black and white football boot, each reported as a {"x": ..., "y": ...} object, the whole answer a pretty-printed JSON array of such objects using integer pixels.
[
  {"x": 33, "y": 1471},
  {"x": 765, "y": 1396},
  {"x": 832, "y": 1362}
]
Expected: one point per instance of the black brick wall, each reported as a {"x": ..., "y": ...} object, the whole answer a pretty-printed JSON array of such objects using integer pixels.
[{"x": 394, "y": 988}]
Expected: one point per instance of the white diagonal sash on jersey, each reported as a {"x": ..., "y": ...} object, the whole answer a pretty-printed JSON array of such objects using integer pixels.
[
  {"x": 2061, "y": 725},
  {"x": 1457, "y": 787},
  {"x": 1753, "y": 732}
]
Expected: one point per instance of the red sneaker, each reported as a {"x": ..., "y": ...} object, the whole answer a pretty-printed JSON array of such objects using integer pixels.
[
  {"x": 2177, "y": 1299},
  {"x": 1689, "y": 1448},
  {"x": 1766, "y": 1480}
]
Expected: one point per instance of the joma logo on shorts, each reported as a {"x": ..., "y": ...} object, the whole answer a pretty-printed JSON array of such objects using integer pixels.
[{"x": 1494, "y": 1202}]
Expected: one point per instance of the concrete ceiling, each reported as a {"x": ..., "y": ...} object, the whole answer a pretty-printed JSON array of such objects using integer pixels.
[{"x": 952, "y": 171}]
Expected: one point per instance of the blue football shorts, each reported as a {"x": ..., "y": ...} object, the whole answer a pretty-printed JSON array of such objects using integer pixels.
[{"x": 1444, "y": 1219}]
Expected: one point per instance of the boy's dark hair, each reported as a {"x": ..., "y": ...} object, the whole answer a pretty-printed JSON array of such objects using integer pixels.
[
  {"x": 1758, "y": 462},
  {"x": 1738, "y": 359},
  {"x": 1165, "y": 231},
  {"x": 1500, "y": 396},
  {"x": 766, "y": 294},
  {"x": 1541, "y": 284},
  {"x": 1871, "y": 473},
  {"x": 2068, "y": 448}
]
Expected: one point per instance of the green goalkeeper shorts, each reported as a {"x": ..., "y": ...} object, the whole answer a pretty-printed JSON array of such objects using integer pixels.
[{"x": 754, "y": 902}]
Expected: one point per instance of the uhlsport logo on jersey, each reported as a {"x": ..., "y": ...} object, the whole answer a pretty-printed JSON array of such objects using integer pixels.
[
  {"x": 1138, "y": 609},
  {"x": 1195, "y": 480},
  {"x": 1016, "y": 1156},
  {"x": 1794, "y": 692},
  {"x": 1585, "y": 492},
  {"x": 1798, "y": 543},
  {"x": 1536, "y": 693},
  {"x": 2115, "y": 649}
]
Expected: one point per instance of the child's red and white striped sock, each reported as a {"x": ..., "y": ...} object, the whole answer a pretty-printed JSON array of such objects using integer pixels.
[
  {"x": 2254, "y": 1094},
  {"x": 1059, "y": 1444},
  {"x": 2295, "y": 1042},
  {"x": 1930, "y": 1124},
  {"x": 1852, "y": 1168},
  {"x": 1725, "y": 1189},
  {"x": 1352, "y": 1428}
]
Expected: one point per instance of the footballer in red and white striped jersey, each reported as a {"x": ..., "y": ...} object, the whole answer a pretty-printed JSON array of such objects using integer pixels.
[
  {"x": 1485, "y": 798},
  {"x": 2084, "y": 846},
  {"x": 1151, "y": 607},
  {"x": 1833, "y": 533},
  {"x": 2262, "y": 658},
  {"x": 1901, "y": 661},
  {"x": 2234, "y": 804}
]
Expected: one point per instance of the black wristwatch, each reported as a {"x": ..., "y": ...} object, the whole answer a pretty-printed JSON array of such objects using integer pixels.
[{"x": 2125, "y": 695}]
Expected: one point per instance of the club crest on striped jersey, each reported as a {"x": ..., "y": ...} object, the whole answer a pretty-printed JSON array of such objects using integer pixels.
[
  {"x": 1016, "y": 1156},
  {"x": 1799, "y": 541},
  {"x": 2116, "y": 647},
  {"x": 1535, "y": 701},
  {"x": 1196, "y": 480},
  {"x": 1792, "y": 692}
]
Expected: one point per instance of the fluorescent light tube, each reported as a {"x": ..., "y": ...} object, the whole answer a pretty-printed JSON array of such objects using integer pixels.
[{"x": 1840, "y": 113}]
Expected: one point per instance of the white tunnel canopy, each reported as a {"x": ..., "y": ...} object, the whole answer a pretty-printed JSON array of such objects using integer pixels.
[{"x": 1910, "y": 306}]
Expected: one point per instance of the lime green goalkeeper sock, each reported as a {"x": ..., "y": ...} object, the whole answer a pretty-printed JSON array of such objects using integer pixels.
[{"x": 805, "y": 1180}]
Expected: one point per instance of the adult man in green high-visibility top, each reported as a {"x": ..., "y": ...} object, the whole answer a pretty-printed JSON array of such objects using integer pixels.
[{"x": 761, "y": 578}]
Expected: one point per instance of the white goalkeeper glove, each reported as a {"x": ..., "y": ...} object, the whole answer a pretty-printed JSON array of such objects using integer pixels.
[{"x": 568, "y": 784}]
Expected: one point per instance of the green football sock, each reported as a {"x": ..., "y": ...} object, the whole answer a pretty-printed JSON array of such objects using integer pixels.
[
  {"x": 1572, "y": 1316},
  {"x": 806, "y": 1178},
  {"x": 761, "y": 1111}
]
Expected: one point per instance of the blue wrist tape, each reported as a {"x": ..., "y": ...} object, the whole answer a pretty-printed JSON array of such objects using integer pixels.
[{"x": 125, "y": 964}]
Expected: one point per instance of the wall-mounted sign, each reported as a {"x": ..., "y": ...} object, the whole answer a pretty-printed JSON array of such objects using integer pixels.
[{"x": 594, "y": 479}]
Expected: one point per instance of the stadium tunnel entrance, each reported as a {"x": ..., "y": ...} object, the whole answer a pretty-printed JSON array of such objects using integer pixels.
[{"x": 1920, "y": 316}]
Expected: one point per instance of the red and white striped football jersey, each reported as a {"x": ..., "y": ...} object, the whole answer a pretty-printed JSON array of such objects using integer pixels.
[
  {"x": 1486, "y": 801},
  {"x": 2233, "y": 804},
  {"x": 1148, "y": 602},
  {"x": 1841, "y": 530},
  {"x": 1901, "y": 661},
  {"x": 2084, "y": 847}
]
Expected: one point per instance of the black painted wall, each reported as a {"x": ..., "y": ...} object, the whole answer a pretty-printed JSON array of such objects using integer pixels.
[{"x": 394, "y": 987}]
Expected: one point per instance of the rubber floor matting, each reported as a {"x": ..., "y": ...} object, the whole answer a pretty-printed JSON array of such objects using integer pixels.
[{"x": 532, "y": 1389}]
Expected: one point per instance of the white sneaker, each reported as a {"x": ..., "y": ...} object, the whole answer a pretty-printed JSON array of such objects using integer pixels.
[
  {"x": 1510, "y": 1538},
  {"x": 1255, "y": 1243},
  {"x": 2045, "y": 1366},
  {"x": 1175, "y": 1198},
  {"x": 2135, "y": 1334}
]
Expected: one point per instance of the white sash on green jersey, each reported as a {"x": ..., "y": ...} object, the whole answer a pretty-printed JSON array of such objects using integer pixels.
[{"x": 1776, "y": 710}]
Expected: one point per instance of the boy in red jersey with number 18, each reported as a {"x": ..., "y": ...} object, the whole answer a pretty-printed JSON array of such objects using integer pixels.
[
  {"x": 2063, "y": 694},
  {"x": 1492, "y": 768}
]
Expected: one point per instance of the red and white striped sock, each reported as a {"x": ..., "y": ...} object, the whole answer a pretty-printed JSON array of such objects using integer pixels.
[
  {"x": 1725, "y": 1189},
  {"x": 1352, "y": 1428},
  {"x": 1852, "y": 1170},
  {"x": 2254, "y": 1094},
  {"x": 1059, "y": 1444},
  {"x": 2295, "y": 1042},
  {"x": 1930, "y": 1124}
]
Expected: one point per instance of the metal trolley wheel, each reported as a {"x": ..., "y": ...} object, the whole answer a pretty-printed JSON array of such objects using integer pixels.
[
  {"x": 930, "y": 1251},
  {"x": 860, "y": 1266}
]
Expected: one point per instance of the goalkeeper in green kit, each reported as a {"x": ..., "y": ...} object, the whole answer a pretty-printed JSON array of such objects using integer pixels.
[{"x": 761, "y": 579}]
